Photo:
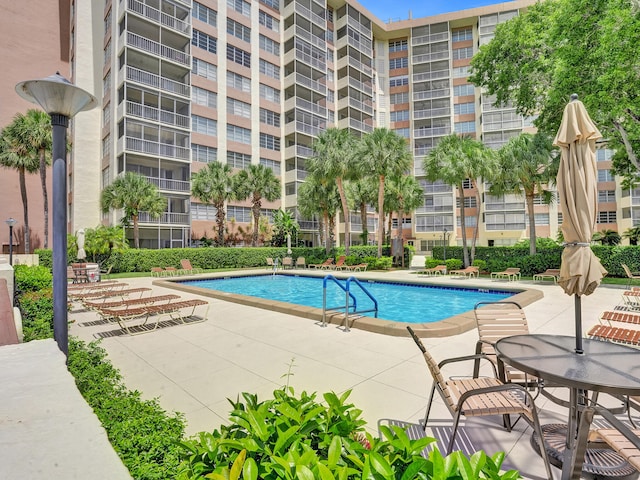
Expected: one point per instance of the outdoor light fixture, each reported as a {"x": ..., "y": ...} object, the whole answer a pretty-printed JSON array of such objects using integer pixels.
[
  {"x": 11, "y": 222},
  {"x": 61, "y": 100},
  {"x": 445, "y": 238}
]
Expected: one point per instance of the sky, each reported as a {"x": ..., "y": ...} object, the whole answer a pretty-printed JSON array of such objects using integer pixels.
[{"x": 399, "y": 9}]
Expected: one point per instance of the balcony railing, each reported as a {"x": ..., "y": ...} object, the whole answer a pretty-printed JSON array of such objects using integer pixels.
[
  {"x": 159, "y": 17},
  {"x": 427, "y": 94},
  {"x": 303, "y": 151},
  {"x": 149, "y": 147},
  {"x": 364, "y": 107},
  {"x": 358, "y": 125},
  {"x": 170, "y": 185},
  {"x": 316, "y": 41},
  {"x": 432, "y": 112},
  {"x": 158, "y": 49},
  {"x": 431, "y": 132},
  {"x": 421, "y": 77},
  {"x": 363, "y": 87},
  {"x": 430, "y": 57},
  {"x": 156, "y": 81},
  {"x": 155, "y": 114},
  {"x": 312, "y": 84},
  {"x": 309, "y": 60},
  {"x": 434, "y": 37},
  {"x": 306, "y": 13},
  {"x": 166, "y": 218},
  {"x": 312, "y": 107}
]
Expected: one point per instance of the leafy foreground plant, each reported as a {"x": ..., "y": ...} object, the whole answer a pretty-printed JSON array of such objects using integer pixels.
[{"x": 291, "y": 437}]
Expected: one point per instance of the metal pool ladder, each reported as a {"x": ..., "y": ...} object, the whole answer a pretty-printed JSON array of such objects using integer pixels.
[{"x": 351, "y": 303}]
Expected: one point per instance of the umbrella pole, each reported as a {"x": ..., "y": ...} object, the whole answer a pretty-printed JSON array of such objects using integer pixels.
[{"x": 578, "y": 314}]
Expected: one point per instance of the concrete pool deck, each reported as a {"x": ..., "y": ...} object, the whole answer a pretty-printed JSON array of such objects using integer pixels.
[{"x": 194, "y": 368}]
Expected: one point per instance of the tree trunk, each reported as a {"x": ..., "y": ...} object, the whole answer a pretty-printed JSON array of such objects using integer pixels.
[
  {"x": 256, "y": 221},
  {"x": 380, "y": 214},
  {"x": 463, "y": 225},
  {"x": 25, "y": 210},
  {"x": 45, "y": 196},
  {"x": 327, "y": 235},
  {"x": 363, "y": 219},
  {"x": 346, "y": 215},
  {"x": 389, "y": 227},
  {"x": 532, "y": 223},
  {"x": 220, "y": 217},
  {"x": 475, "y": 229},
  {"x": 136, "y": 232}
]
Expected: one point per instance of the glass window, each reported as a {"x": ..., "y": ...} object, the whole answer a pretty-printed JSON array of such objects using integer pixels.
[
  {"x": 269, "y": 69},
  {"x": 275, "y": 4},
  {"x": 206, "y": 126},
  {"x": 398, "y": 63},
  {"x": 270, "y": 142},
  {"x": 238, "y": 30},
  {"x": 201, "y": 211},
  {"x": 606, "y": 217},
  {"x": 204, "y": 14},
  {"x": 460, "y": 53},
  {"x": 606, "y": 196},
  {"x": 236, "y": 107},
  {"x": 464, "y": 108},
  {"x": 464, "y": 127},
  {"x": 238, "y": 160},
  {"x": 268, "y": 21},
  {"x": 235, "y": 80},
  {"x": 203, "y": 97},
  {"x": 240, "y": 6},
  {"x": 403, "y": 132},
  {"x": 462, "y": 35},
  {"x": 399, "y": 81},
  {"x": 268, "y": 45},
  {"x": 605, "y": 176},
  {"x": 240, "y": 214},
  {"x": 203, "y": 153},
  {"x": 604, "y": 154},
  {"x": 204, "y": 41},
  {"x": 461, "y": 72},
  {"x": 269, "y": 93},
  {"x": 399, "y": 116},
  {"x": 238, "y": 56},
  {"x": 398, "y": 46},
  {"x": 396, "y": 98},
  {"x": 462, "y": 90},
  {"x": 205, "y": 69},
  {"x": 269, "y": 117},
  {"x": 274, "y": 165},
  {"x": 238, "y": 134}
]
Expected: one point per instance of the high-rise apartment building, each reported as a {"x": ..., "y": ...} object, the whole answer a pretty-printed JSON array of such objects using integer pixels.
[{"x": 183, "y": 83}]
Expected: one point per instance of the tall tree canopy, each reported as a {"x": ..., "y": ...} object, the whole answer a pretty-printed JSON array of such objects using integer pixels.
[{"x": 559, "y": 47}]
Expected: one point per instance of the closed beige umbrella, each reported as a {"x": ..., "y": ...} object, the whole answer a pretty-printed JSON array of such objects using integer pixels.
[{"x": 580, "y": 271}]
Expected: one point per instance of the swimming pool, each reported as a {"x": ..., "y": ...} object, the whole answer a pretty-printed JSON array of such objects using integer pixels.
[{"x": 398, "y": 302}]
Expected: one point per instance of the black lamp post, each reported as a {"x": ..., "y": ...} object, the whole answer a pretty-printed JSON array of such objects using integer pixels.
[
  {"x": 11, "y": 222},
  {"x": 61, "y": 100},
  {"x": 444, "y": 244}
]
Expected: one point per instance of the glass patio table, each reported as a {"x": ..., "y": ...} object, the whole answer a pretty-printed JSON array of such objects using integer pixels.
[{"x": 603, "y": 368}]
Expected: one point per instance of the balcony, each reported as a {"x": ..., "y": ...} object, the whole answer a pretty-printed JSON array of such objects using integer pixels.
[
  {"x": 156, "y": 115},
  {"x": 427, "y": 94},
  {"x": 308, "y": 14},
  {"x": 357, "y": 64},
  {"x": 166, "y": 218},
  {"x": 357, "y": 104},
  {"x": 305, "y": 81},
  {"x": 309, "y": 60},
  {"x": 316, "y": 41},
  {"x": 432, "y": 113},
  {"x": 149, "y": 147},
  {"x": 158, "y": 50},
  {"x": 363, "y": 87},
  {"x": 430, "y": 57},
  {"x": 308, "y": 106},
  {"x": 298, "y": 151},
  {"x": 361, "y": 126},
  {"x": 426, "y": 76},
  {"x": 434, "y": 37},
  {"x": 157, "y": 16},
  {"x": 156, "y": 81},
  {"x": 431, "y": 132},
  {"x": 167, "y": 184}
]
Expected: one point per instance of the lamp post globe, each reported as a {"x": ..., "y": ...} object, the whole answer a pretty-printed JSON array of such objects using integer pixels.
[
  {"x": 11, "y": 222},
  {"x": 61, "y": 100}
]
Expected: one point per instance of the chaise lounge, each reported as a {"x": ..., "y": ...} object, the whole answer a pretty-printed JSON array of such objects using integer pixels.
[{"x": 466, "y": 272}]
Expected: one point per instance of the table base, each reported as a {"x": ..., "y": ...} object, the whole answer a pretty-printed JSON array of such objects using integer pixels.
[{"x": 599, "y": 460}]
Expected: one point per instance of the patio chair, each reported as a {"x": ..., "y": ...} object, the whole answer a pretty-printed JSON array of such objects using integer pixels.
[
  {"x": 468, "y": 272},
  {"x": 626, "y": 336},
  {"x": 496, "y": 320},
  {"x": 631, "y": 299},
  {"x": 170, "y": 271},
  {"x": 287, "y": 262},
  {"x": 301, "y": 262},
  {"x": 619, "y": 316},
  {"x": 360, "y": 267},
  {"x": 630, "y": 275},
  {"x": 104, "y": 273},
  {"x": 549, "y": 273},
  {"x": 187, "y": 269},
  {"x": 157, "y": 271},
  {"x": 339, "y": 265},
  {"x": 474, "y": 397},
  {"x": 323, "y": 265},
  {"x": 511, "y": 273},
  {"x": 133, "y": 301},
  {"x": 437, "y": 270}
]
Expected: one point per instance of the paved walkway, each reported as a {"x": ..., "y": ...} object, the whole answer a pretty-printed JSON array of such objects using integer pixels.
[{"x": 195, "y": 368}]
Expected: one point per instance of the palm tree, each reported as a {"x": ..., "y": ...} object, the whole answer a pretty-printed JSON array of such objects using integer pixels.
[
  {"x": 285, "y": 226},
  {"x": 607, "y": 237},
  {"x": 15, "y": 153},
  {"x": 214, "y": 185},
  {"x": 134, "y": 194},
  {"x": 407, "y": 195},
  {"x": 103, "y": 240},
  {"x": 383, "y": 152},
  {"x": 317, "y": 197},
  {"x": 332, "y": 161},
  {"x": 361, "y": 193},
  {"x": 454, "y": 160},
  {"x": 633, "y": 234},
  {"x": 37, "y": 133},
  {"x": 527, "y": 165},
  {"x": 257, "y": 182}
]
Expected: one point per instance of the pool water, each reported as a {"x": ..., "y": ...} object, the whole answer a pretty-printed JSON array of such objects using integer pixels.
[{"x": 399, "y": 302}]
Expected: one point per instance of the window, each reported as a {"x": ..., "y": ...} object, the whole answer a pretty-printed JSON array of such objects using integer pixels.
[
  {"x": 106, "y": 146},
  {"x": 541, "y": 218},
  {"x": 461, "y": 72},
  {"x": 205, "y": 69},
  {"x": 268, "y": 21},
  {"x": 606, "y": 217},
  {"x": 200, "y": 211},
  {"x": 469, "y": 202},
  {"x": 274, "y": 165},
  {"x": 290, "y": 188},
  {"x": 460, "y": 53},
  {"x": 238, "y": 160},
  {"x": 505, "y": 221},
  {"x": 467, "y": 184},
  {"x": 269, "y": 142},
  {"x": 604, "y": 154},
  {"x": 606, "y": 196},
  {"x": 203, "y": 153},
  {"x": 107, "y": 53},
  {"x": 398, "y": 63},
  {"x": 240, "y": 6},
  {"x": 462, "y": 90},
  {"x": 398, "y": 46},
  {"x": 396, "y": 98},
  {"x": 269, "y": 117},
  {"x": 605, "y": 176},
  {"x": 469, "y": 221},
  {"x": 464, "y": 127},
  {"x": 238, "y": 56},
  {"x": 269, "y": 93},
  {"x": 240, "y": 214},
  {"x": 399, "y": 116},
  {"x": 236, "y": 107},
  {"x": 399, "y": 81},
  {"x": 434, "y": 223},
  {"x": 403, "y": 132},
  {"x": 206, "y": 126},
  {"x": 269, "y": 69},
  {"x": 464, "y": 108},
  {"x": 204, "y": 41},
  {"x": 203, "y": 97},
  {"x": 239, "y": 82},
  {"x": 238, "y": 30},
  {"x": 106, "y": 115},
  {"x": 204, "y": 14},
  {"x": 268, "y": 45},
  {"x": 107, "y": 23},
  {"x": 559, "y": 218},
  {"x": 106, "y": 83},
  {"x": 275, "y": 4},
  {"x": 238, "y": 134},
  {"x": 462, "y": 35}
]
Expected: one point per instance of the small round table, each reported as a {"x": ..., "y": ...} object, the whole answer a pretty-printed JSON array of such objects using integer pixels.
[{"x": 603, "y": 367}]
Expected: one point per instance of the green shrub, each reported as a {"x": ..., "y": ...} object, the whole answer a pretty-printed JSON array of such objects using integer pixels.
[
  {"x": 375, "y": 263},
  {"x": 45, "y": 257},
  {"x": 145, "y": 437},
  {"x": 453, "y": 264},
  {"x": 32, "y": 279},
  {"x": 432, "y": 262},
  {"x": 291, "y": 437},
  {"x": 36, "y": 309},
  {"x": 481, "y": 264}
]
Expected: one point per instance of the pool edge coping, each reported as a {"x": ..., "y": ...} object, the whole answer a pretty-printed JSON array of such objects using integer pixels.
[{"x": 444, "y": 328}]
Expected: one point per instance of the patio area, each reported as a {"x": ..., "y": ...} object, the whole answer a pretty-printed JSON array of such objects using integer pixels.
[{"x": 193, "y": 369}]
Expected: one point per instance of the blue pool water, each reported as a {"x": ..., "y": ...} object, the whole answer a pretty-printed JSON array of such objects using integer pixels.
[{"x": 396, "y": 302}]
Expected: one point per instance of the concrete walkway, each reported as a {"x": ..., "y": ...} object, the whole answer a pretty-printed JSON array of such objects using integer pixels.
[
  {"x": 194, "y": 368},
  {"x": 47, "y": 430}
]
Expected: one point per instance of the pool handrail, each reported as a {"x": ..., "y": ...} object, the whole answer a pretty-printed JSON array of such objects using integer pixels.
[
  {"x": 367, "y": 293},
  {"x": 324, "y": 298}
]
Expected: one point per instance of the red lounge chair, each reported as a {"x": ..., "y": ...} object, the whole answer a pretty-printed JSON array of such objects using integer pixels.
[{"x": 323, "y": 265}]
